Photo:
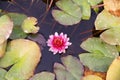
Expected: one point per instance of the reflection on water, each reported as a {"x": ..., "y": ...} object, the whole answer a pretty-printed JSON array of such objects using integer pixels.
[{"x": 48, "y": 25}]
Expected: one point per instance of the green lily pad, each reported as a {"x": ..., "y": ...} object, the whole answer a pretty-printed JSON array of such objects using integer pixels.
[
  {"x": 69, "y": 7},
  {"x": 2, "y": 74},
  {"x": 17, "y": 29},
  {"x": 20, "y": 58},
  {"x": 96, "y": 45},
  {"x": 28, "y": 25},
  {"x": 110, "y": 22},
  {"x": 95, "y": 3},
  {"x": 71, "y": 69},
  {"x": 6, "y": 26},
  {"x": 18, "y": 33},
  {"x": 62, "y": 73},
  {"x": 17, "y": 18},
  {"x": 3, "y": 48},
  {"x": 42, "y": 76},
  {"x": 85, "y": 8},
  {"x": 73, "y": 65},
  {"x": 69, "y": 14},
  {"x": 64, "y": 18},
  {"x": 100, "y": 54},
  {"x": 96, "y": 62}
]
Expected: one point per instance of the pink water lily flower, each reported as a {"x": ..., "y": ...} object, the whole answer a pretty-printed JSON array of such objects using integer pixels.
[{"x": 58, "y": 43}]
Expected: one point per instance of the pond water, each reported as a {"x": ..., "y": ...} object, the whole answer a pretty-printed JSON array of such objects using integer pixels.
[{"x": 48, "y": 26}]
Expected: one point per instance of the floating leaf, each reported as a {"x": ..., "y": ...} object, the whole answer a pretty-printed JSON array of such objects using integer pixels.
[
  {"x": 28, "y": 25},
  {"x": 3, "y": 48},
  {"x": 64, "y": 18},
  {"x": 95, "y": 3},
  {"x": 96, "y": 62},
  {"x": 102, "y": 54},
  {"x": 18, "y": 33},
  {"x": 105, "y": 20},
  {"x": 113, "y": 72},
  {"x": 62, "y": 73},
  {"x": 112, "y": 6},
  {"x": 96, "y": 45},
  {"x": 39, "y": 38},
  {"x": 43, "y": 76},
  {"x": 71, "y": 70},
  {"x": 17, "y": 18},
  {"x": 21, "y": 57},
  {"x": 2, "y": 74},
  {"x": 85, "y": 7},
  {"x": 92, "y": 77},
  {"x": 110, "y": 22},
  {"x": 111, "y": 36},
  {"x": 73, "y": 65},
  {"x": 17, "y": 30},
  {"x": 69, "y": 7},
  {"x": 6, "y": 26},
  {"x": 69, "y": 14}
]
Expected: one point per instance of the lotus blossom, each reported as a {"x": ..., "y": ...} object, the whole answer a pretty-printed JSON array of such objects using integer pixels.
[{"x": 58, "y": 43}]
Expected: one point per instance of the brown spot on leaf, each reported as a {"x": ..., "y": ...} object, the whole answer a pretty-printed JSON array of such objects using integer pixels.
[{"x": 90, "y": 72}]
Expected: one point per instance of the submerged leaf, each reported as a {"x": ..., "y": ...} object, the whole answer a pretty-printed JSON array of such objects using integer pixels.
[
  {"x": 21, "y": 57},
  {"x": 110, "y": 22},
  {"x": 6, "y": 26},
  {"x": 2, "y": 74},
  {"x": 101, "y": 53},
  {"x": 43, "y": 76},
  {"x": 28, "y": 25},
  {"x": 3, "y": 48},
  {"x": 39, "y": 38}
]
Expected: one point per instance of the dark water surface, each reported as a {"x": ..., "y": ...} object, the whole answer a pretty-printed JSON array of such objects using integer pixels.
[{"x": 48, "y": 25}]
